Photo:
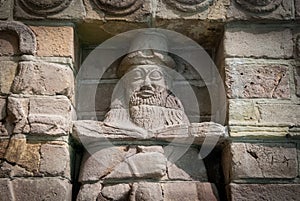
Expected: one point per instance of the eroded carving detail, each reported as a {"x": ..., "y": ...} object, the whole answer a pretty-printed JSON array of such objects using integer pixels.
[
  {"x": 27, "y": 41},
  {"x": 117, "y": 7},
  {"x": 2, "y": 2},
  {"x": 190, "y": 5},
  {"x": 44, "y": 8},
  {"x": 259, "y": 6}
]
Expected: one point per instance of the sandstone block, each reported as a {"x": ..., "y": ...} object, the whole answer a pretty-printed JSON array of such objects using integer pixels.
[
  {"x": 276, "y": 192},
  {"x": 89, "y": 192},
  {"x": 116, "y": 192},
  {"x": 261, "y": 161},
  {"x": 41, "y": 78},
  {"x": 146, "y": 191},
  {"x": 268, "y": 113},
  {"x": 6, "y": 190},
  {"x": 189, "y": 191},
  {"x": 297, "y": 81},
  {"x": 142, "y": 165},
  {"x": 45, "y": 115},
  {"x": 54, "y": 41},
  {"x": 37, "y": 189},
  {"x": 3, "y": 146},
  {"x": 2, "y": 108},
  {"x": 55, "y": 160},
  {"x": 8, "y": 70},
  {"x": 24, "y": 154},
  {"x": 256, "y": 10},
  {"x": 257, "y": 79},
  {"x": 259, "y": 43}
]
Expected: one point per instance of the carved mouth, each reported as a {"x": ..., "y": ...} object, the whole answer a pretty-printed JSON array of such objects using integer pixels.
[{"x": 146, "y": 93}]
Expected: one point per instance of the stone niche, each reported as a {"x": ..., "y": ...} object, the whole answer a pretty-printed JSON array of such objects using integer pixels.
[{"x": 149, "y": 149}]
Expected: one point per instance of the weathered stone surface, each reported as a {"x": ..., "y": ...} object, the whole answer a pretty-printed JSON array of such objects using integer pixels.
[
  {"x": 262, "y": 161},
  {"x": 115, "y": 8},
  {"x": 276, "y": 192},
  {"x": 41, "y": 78},
  {"x": 297, "y": 81},
  {"x": 8, "y": 70},
  {"x": 26, "y": 38},
  {"x": 257, "y": 79},
  {"x": 55, "y": 160},
  {"x": 6, "y": 192},
  {"x": 89, "y": 192},
  {"x": 2, "y": 108},
  {"x": 270, "y": 43},
  {"x": 189, "y": 191},
  {"x": 144, "y": 149},
  {"x": 189, "y": 163},
  {"x": 190, "y": 6},
  {"x": 146, "y": 191},
  {"x": 17, "y": 109},
  {"x": 142, "y": 165},
  {"x": 116, "y": 192},
  {"x": 9, "y": 44},
  {"x": 5, "y": 9},
  {"x": 3, "y": 146},
  {"x": 267, "y": 113},
  {"x": 42, "y": 189},
  {"x": 260, "y": 10},
  {"x": 62, "y": 9},
  {"x": 96, "y": 166},
  {"x": 8, "y": 170},
  {"x": 54, "y": 41},
  {"x": 24, "y": 154}
]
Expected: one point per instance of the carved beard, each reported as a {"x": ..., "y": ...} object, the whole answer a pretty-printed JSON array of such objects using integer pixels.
[{"x": 155, "y": 111}]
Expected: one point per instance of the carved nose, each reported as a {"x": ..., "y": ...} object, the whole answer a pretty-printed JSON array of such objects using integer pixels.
[{"x": 146, "y": 87}]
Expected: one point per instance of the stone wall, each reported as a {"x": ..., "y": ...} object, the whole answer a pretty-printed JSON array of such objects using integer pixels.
[{"x": 255, "y": 44}]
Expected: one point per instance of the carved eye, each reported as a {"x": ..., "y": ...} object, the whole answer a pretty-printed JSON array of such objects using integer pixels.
[
  {"x": 137, "y": 74},
  {"x": 156, "y": 75}
]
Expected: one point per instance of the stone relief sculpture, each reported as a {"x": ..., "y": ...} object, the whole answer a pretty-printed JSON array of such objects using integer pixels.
[
  {"x": 190, "y": 5},
  {"x": 142, "y": 104}
]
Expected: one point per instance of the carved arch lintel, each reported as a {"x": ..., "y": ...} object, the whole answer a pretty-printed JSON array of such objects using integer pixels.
[
  {"x": 27, "y": 40},
  {"x": 259, "y": 6},
  {"x": 119, "y": 7},
  {"x": 190, "y": 5}
]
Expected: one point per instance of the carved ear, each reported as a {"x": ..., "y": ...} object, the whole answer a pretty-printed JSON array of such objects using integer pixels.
[{"x": 26, "y": 37}]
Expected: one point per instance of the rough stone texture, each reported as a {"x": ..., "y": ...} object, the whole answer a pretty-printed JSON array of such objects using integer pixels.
[
  {"x": 146, "y": 191},
  {"x": 37, "y": 189},
  {"x": 89, "y": 192},
  {"x": 5, "y": 8},
  {"x": 142, "y": 165},
  {"x": 55, "y": 160},
  {"x": 27, "y": 40},
  {"x": 189, "y": 191},
  {"x": 40, "y": 115},
  {"x": 3, "y": 146},
  {"x": 188, "y": 165},
  {"x": 24, "y": 154},
  {"x": 2, "y": 108},
  {"x": 267, "y": 113},
  {"x": 257, "y": 79},
  {"x": 256, "y": 10},
  {"x": 63, "y": 9},
  {"x": 41, "y": 78},
  {"x": 54, "y": 41},
  {"x": 297, "y": 81},
  {"x": 8, "y": 70},
  {"x": 297, "y": 8},
  {"x": 9, "y": 43},
  {"x": 116, "y": 192},
  {"x": 6, "y": 190},
  {"x": 9, "y": 170},
  {"x": 275, "y": 192},
  {"x": 258, "y": 42},
  {"x": 96, "y": 166},
  {"x": 261, "y": 161}
]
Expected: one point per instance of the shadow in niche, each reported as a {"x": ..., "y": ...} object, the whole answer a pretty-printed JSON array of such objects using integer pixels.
[{"x": 214, "y": 170}]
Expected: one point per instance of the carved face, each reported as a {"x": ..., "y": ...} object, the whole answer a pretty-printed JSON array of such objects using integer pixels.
[{"x": 145, "y": 80}]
